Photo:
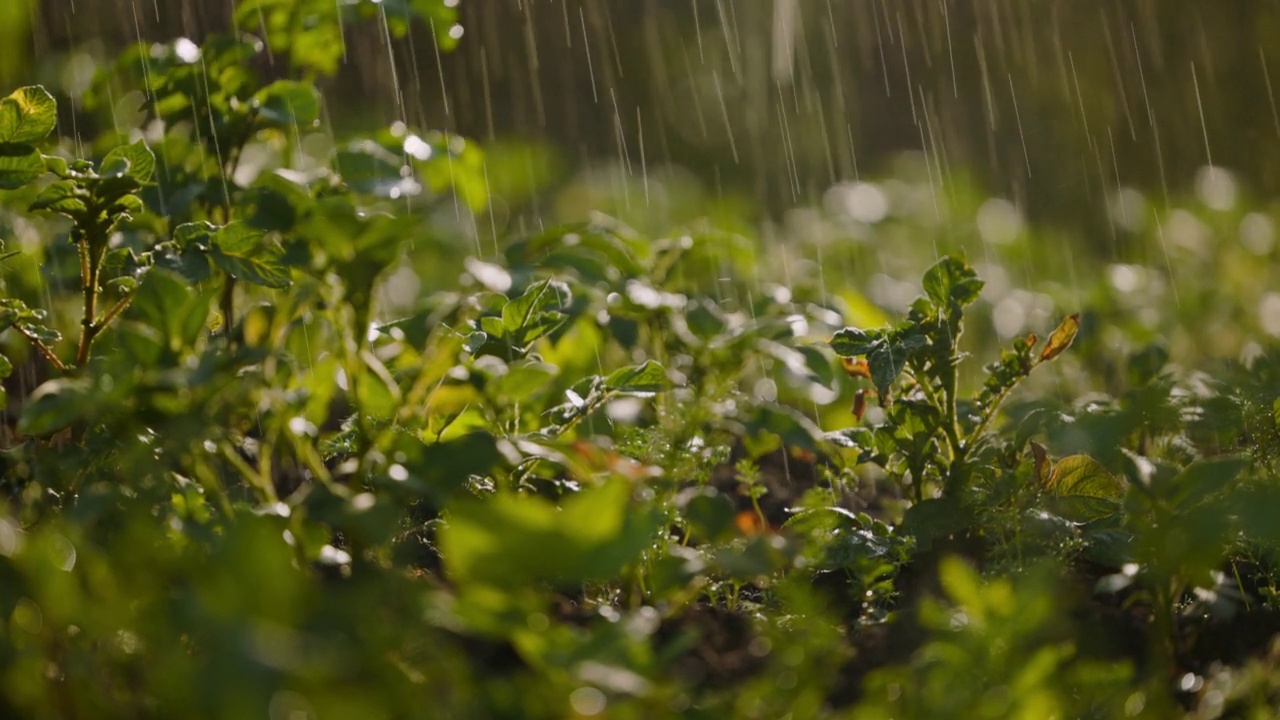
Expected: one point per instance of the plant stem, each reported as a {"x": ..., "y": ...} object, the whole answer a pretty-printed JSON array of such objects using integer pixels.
[
  {"x": 92, "y": 248},
  {"x": 228, "y": 305},
  {"x": 45, "y": 350}
]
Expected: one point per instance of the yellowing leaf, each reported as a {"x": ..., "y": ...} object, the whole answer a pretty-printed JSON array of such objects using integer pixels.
[
  {"x": 856, "y": 367},
  {"x": 1061, "y": 338}
]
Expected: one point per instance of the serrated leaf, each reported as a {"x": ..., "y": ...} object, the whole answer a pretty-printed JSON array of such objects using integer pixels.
[
  {"x": 645, "y": 379},
  {"x": 27, "y": 115},
  {"x": 19, "y": 165},
  {"x": 1061, "y": 337}
]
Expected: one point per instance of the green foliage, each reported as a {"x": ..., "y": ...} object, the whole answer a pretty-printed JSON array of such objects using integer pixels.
[{"x": 601, "y": 467}]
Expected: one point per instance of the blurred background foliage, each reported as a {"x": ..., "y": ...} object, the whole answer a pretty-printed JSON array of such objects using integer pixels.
[{"x": 1057, "y": 107}]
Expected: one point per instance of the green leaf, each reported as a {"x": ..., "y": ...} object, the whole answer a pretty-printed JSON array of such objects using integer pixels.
[
  {"x": 513, "y": 542},
  {"x": 535, "y": 313},
  {"x": 934, "y": 519},
  {"x": 540, "y": 297},
  {"x": 167, "y": 303},
  {"x": 886, "y": 364},
  {"x": 524, "y": 379},
  {"x": 792, "y": 427},
  {"x": 114, "y": 166},
  {"x": 852, "y": 342},
  {"x": 138, "y": 161},
  {"x": 62, "y": 196},
  {"x": 1082, "y": 489},
  {"x": 55, "y": 405},
  {"x": 645, "y": 379},
  {"x": 708, "y": 513},
  {"x": 952, "y": 284},
  {"x": 56, "y": 165},
  {"x": 245, "y": 253},
  {"x": 27, "y": 115},
  {"x": 1204, "y": 479},
  {"x": 19, "y": 165},
  {"x": 369, "y": 168},
  {"x": 197, "y": 233},
  {"x": 288, "y": 104}
]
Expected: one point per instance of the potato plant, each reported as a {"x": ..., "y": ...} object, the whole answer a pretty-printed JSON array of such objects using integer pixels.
[{"x": 591, "y": 473}]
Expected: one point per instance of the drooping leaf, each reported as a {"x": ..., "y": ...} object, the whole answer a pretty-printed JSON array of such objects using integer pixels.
[
  {"x": 27, "y": 115},
  {"x": 1060, "y": 339}
]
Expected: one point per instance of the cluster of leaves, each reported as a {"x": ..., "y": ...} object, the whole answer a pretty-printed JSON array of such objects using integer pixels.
[{"x": 591, "y": 476}]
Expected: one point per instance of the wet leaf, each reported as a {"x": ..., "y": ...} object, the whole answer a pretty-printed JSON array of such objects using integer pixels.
[
  {"x": 852, "y": 342},
  {"x": 137, "y": 161},
  {"x": 886, "y": 364}
]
